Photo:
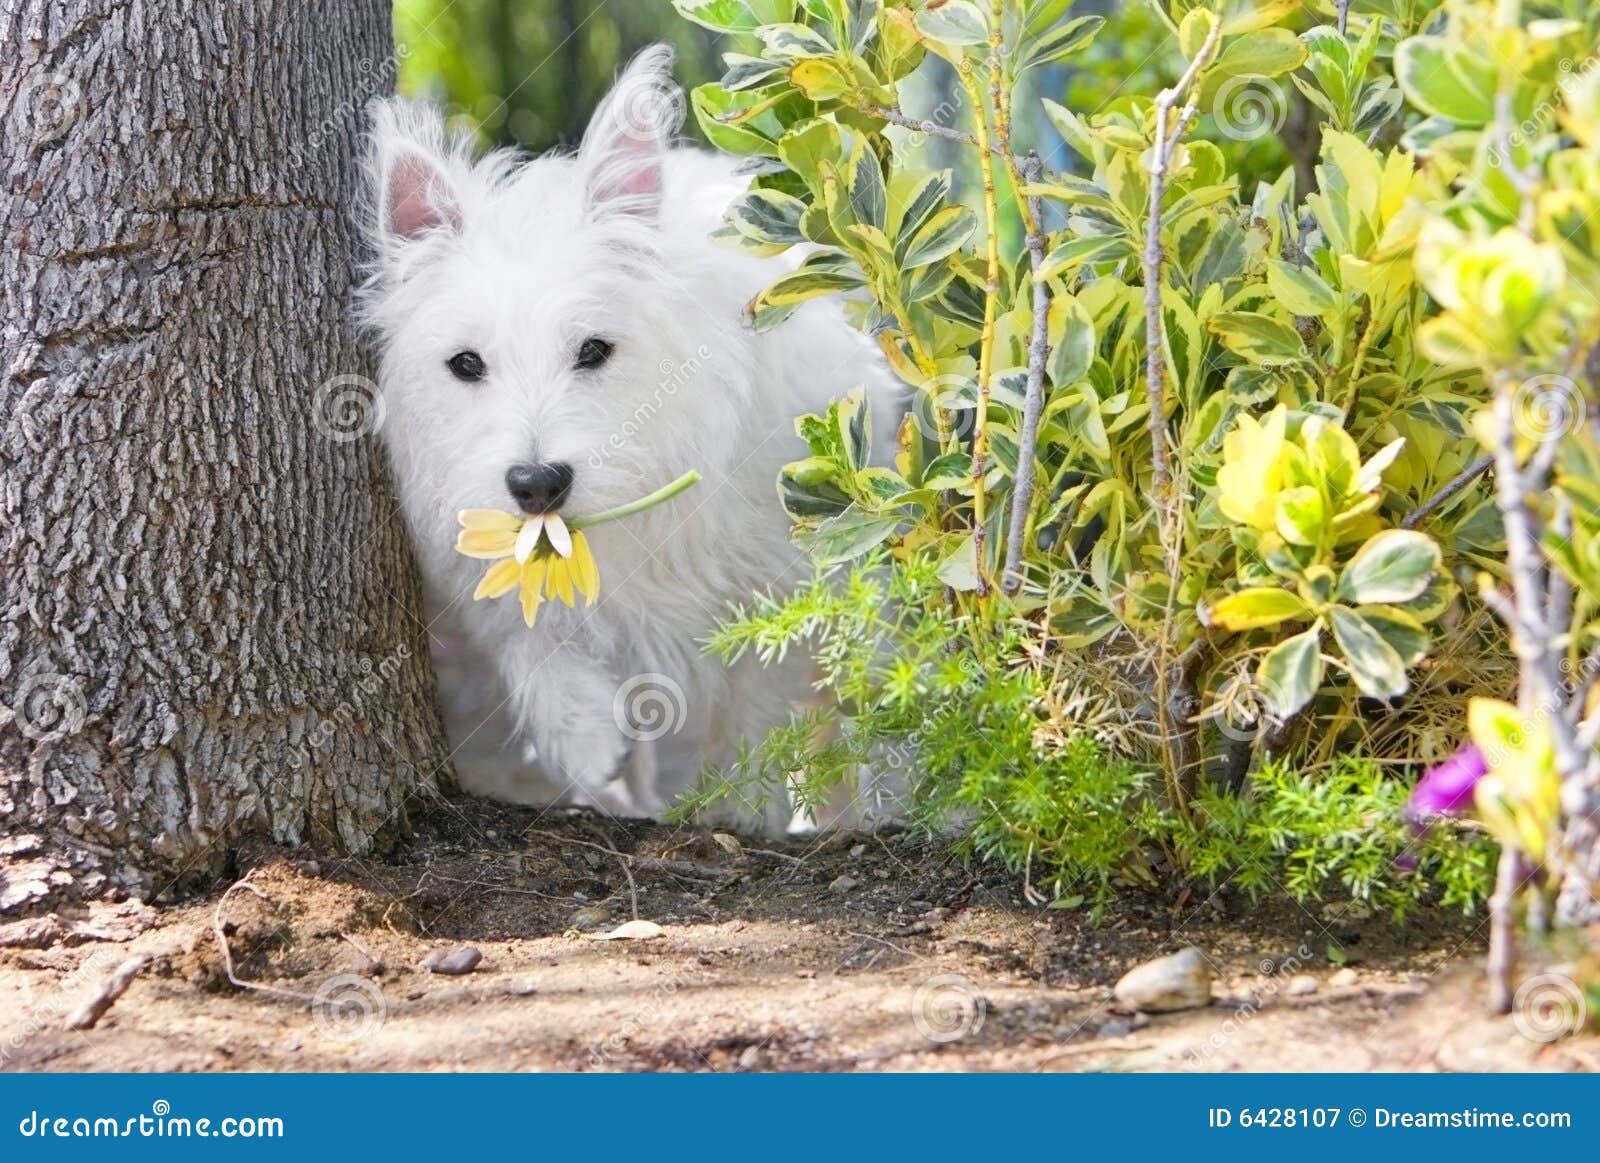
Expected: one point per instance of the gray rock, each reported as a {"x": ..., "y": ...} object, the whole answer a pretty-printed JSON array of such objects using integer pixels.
[
  {"x": 1181, "y": 981},
  {"x": 844, "y": 884},
  {"x": 452, "y": 962}
]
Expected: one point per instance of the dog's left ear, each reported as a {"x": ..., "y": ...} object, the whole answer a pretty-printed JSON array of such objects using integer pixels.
[{"x": 625, "y": 146}]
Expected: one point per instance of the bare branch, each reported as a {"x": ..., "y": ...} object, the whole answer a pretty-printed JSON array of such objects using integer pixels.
[
  {"x": 1033, "y": 403},
  {"x": 1469, "y": 474}
]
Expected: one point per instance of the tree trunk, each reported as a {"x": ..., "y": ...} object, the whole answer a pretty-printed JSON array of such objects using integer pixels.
[{"x": 208, "y": 609}]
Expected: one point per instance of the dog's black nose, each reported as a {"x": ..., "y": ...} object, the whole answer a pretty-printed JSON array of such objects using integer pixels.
[{"x": 539, "y": 488}]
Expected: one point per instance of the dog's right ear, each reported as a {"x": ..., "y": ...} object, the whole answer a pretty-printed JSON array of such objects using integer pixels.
[{"x": 409, "y": 167}]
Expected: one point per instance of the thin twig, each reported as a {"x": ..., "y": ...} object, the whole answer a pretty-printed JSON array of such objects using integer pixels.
[
  {"x": 1469, "y": 474},
  {"x": 1033, "y": 403},
  {"x": 94, "y": 1007},
  {"x": 227, "y": 953}
]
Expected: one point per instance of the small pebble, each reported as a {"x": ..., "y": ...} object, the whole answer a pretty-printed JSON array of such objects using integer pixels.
[
  {"x": 1345, "y": 978},
  {"x": 1302, "y": 985},
  {"x": 751, "y": 1055},
  {"x": 1181, "y": 981},
  {"x": 452, "y": 962},
  {"x": 1116, "y": 1028},
  {"x": 858, "y": 851},
  {"x": 844, "y": 884}
]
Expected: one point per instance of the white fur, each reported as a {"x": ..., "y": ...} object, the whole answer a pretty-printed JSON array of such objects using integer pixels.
[{"x": 520, "y": 260}]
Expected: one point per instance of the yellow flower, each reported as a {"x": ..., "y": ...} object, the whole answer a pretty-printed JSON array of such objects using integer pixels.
[
  {"x": 539, "y": 556},
  {"x": 542, "y": 556},
  {"x": 1251, "y": 476}
]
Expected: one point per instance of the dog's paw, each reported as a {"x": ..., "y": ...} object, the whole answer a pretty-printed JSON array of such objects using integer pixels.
[{"x": 590, "y": 755}]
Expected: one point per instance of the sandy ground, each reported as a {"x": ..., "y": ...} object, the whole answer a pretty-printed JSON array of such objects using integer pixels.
[{"x": 838, "y": 953}]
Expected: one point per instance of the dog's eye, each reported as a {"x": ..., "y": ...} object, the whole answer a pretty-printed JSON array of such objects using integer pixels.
[
  {"x": 467, "y": 366},
  {"x": 593, "y": 352}
]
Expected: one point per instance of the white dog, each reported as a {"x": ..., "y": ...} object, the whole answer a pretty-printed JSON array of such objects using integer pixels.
[{"x": 560, "y": 333}]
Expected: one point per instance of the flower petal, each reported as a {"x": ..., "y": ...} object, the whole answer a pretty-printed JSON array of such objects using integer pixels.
[
  {"x": 490, "y": 520},
  {"x": 533, "y": 574},
  {"x": 501, "y": 579},
  {"x": 485, "y": 543},
  {"x": 528, "y": 536},
  {"x": 556, "y": 530},
  {"x": 585, "y": 574},
  {"x": 559, "y": 584}
]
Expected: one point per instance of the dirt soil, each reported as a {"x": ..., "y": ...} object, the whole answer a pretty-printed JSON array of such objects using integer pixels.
[{"x": 839, "y": 952}]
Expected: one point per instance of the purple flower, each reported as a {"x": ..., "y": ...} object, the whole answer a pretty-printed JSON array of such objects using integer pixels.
[{"x": 1446, "y": 789}]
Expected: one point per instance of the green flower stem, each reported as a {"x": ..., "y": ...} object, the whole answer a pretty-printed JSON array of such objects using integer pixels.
[{"x": 664, "y": 493}]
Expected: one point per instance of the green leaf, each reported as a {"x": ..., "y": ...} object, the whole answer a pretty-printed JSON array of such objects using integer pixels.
[
  {"x": 1088, "y": 248},
  {"x": 1062, "y": 41},
  {"x": 943, "y": 234},
  {"x": 1258, "y": 607},
  {"x": 1393, "y": 566},
  {"x": 735, "y": 15},
  {"x": 868, "y": 201},
  {"x": 959, "y": 570},
  {"x": 1291, "y": 672},
  {"x": 1260, "y": 339},
  {"x": 953, "y": 470},
  {"x": 806, "y": 284},
  {"x": 794, "y": 41},
  {"x": 953, "y": 22},
  {"x": 1300, "y": 289},
  {"x": 1407, "y": 636},
  {"x": 850, "y": 534},
  {"x": 1446, "y": 79},
  {"x": 768, "y": 216},
  {"x": 1375, "y": 666},
  {"x": 1072, "y": 341}
]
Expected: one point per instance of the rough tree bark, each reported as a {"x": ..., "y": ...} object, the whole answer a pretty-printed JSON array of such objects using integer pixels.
[{"x": 207, "y": 605}]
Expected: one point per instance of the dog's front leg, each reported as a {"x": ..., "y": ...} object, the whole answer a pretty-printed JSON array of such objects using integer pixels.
[{"x": 567, "y": 707}]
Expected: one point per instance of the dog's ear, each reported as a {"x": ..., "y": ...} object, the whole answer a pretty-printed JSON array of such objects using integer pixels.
[
  {"x": 626, "y": 143},
  {"x": 409, "y": 168}
]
